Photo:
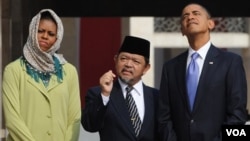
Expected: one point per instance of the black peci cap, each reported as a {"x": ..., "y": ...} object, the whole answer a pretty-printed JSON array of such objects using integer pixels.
[{"x": 136, "y": 45}]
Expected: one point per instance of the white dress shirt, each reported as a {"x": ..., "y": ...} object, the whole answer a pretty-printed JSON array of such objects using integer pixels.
[
  {"x": 137, "y": 94},
  {"x": 202, "y": 55}
]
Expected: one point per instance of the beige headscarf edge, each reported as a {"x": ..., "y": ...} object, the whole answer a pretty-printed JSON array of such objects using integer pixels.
[{"x": 39, "y": 59}]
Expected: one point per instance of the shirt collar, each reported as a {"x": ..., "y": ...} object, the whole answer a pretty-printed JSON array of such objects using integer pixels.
[
  {"x": 202, "y": 51},
  {"x": 138, "y": 87}
]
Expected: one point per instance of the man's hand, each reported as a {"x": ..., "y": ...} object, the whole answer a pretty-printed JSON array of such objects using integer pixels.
[{"x": 106, "y": 82}]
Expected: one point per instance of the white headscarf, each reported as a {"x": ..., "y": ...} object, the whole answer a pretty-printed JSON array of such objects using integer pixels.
[{"x": 40, "y": 60}]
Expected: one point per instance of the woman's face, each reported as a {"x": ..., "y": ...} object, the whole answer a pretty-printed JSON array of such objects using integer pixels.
[{"x": 46, "y": 34}]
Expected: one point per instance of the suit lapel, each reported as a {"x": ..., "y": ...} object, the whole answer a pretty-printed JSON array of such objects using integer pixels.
[
  {"x": 149, "y": 110},
  {"x": 180, "y": 70},
  {"x": 39, "y": 85},
  {"x": 120, "y": 106},
  {"x": 52, "y": 84}
]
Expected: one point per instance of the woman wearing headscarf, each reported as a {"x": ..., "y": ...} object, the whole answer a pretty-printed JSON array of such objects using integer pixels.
[{"x": 41, "y": 99}]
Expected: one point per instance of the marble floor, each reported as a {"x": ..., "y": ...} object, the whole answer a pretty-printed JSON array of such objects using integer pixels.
[{"x": 87, "y": 136}]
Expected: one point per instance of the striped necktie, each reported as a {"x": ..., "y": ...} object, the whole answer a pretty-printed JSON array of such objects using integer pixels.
[{"x": 135, "y": 119}]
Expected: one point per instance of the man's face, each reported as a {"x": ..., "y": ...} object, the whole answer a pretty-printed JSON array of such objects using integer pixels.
[
  {"x": 195, "y": 20},
  {"x": 130, "y": 67}
]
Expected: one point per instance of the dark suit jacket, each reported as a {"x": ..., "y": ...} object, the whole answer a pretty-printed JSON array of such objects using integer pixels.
[
  {"x": 221, "y": 97},
  {"x": 113, "y": 121}
]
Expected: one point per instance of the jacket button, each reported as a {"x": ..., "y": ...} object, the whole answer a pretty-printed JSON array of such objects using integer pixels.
[{"x": 191, "y": 121}]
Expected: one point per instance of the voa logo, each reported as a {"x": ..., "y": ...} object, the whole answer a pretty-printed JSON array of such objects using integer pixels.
[{"x": 236, "y": 132}]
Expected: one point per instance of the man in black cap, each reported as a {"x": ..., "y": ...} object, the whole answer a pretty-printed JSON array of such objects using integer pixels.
[{"x": 119, "y": 114}]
